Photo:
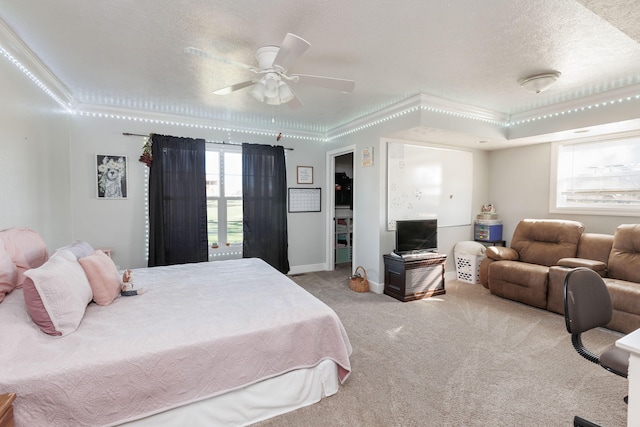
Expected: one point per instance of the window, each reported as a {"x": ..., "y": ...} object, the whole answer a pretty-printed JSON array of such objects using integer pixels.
[
  {"x": 224, "y": 201},
  {"x": 596, "y": 177}
]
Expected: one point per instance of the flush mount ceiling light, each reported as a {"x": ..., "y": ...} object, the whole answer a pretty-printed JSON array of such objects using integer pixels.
[{"x": 539, "y": 82}]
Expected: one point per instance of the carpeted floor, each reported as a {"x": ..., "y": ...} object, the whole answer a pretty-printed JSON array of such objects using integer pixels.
[{"x": 466, "y": 358}]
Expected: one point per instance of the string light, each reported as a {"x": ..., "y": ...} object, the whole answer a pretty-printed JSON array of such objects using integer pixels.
[
  {"x": 574, "y": 110},
  {"x": 34, "y": 79},
  {"x": 259, "y": 132},
  {"x": 322, "y": 136}
]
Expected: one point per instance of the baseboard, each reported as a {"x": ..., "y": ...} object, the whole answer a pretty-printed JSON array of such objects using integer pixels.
[
  {"x": 309, "y": 268},
  {"x": 376, "y": 288}
]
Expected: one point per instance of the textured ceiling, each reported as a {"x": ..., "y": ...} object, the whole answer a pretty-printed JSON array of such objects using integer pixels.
[{"x": 130, "y": 55}]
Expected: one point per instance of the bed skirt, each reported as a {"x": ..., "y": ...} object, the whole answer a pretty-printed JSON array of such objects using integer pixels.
[{"x": 254, "y": 403}]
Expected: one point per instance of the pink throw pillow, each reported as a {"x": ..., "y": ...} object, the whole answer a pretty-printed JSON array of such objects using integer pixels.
[
  {"x": 36, "y": 309},
  {"x": 8, "y": 272},
  {"x": 103, "y": 277},
  {"x": 27, "y": 249}
]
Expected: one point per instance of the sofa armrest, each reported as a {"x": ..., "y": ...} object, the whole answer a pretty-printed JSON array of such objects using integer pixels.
[
  {"x": 500, "y": 253},
  {"x": 597, "y": 266}
]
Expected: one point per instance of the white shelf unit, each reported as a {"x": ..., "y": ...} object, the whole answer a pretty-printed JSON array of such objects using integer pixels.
[{"x": 343, "y": 238}]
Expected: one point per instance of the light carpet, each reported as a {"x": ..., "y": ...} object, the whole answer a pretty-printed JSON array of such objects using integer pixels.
[{"x": 466, "y": 358}]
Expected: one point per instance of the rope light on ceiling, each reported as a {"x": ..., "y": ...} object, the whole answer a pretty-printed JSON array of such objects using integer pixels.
[{"x": 542, "y": 82}]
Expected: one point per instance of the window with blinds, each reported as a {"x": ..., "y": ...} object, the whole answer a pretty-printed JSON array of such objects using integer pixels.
[{"x": 596, "y": 177}]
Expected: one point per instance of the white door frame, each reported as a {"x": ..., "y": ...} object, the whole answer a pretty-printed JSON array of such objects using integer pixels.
[{"x": 331, "y": 203}]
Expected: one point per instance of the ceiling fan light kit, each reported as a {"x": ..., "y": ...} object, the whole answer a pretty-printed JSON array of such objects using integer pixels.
[
  {"x": 285, "y": 93},
  {"x": 540, "y": 82},
  {"x": 257, "y": 91},
  {"x": 272, "y": 90},
  {"x": 273, "y": 62}
]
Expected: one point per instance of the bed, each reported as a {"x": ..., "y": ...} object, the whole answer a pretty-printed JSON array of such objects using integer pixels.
[{"x": 213, "y": 343}]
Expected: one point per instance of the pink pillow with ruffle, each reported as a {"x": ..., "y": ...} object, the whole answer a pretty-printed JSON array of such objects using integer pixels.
[
  {"x": 27, "y": 250},
  {"x": 8, "y": 272}
]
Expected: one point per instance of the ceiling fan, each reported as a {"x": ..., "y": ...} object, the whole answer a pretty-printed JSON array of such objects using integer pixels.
[{"x": 271, "y": 85}]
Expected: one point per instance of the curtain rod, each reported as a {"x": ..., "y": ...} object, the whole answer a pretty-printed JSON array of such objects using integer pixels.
[{"x": 208, "y": 142}]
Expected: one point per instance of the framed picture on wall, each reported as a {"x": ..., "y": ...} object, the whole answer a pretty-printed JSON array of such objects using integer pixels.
[
  {"x": 111, "y": 176},
  {"x": 305, "y": 174},
  {"x": 367, "y": 157}
]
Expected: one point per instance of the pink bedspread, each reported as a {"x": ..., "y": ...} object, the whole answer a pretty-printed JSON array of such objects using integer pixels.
[{"x": 200, "y": 330}]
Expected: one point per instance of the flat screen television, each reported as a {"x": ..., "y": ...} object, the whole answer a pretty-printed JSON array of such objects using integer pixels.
[{"x": 417, "y": 235}]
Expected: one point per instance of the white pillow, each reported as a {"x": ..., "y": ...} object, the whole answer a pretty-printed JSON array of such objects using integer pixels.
[{"x": 64, "y": 290}]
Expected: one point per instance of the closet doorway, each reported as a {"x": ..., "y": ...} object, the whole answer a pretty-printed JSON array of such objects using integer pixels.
[{"x": 340, "y": 242}]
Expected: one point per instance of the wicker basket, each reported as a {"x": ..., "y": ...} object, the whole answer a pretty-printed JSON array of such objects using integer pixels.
[{"x": 357, "y": 282}]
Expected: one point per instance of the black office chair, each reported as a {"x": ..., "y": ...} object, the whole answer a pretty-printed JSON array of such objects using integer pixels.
[{"x": 587, "y": 305}]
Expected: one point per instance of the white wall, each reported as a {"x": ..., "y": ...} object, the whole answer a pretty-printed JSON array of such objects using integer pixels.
[
  {"x": 34, "y": 159},
  {"x": 449, "y": 236},
  {"x": 47, "y": 180},
  {"x": 120, "y": 224},
  {"x": 371, "y": 238},
  {"x": 47, "y": 175}
]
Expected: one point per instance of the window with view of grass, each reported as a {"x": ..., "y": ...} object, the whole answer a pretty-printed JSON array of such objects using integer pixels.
[
  {"x": 596, "y": 177},
  {"x": 224, "y": 201}
]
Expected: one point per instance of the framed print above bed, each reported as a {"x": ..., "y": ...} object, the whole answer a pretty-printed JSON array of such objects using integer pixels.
[{"x": 111, "y": 176}]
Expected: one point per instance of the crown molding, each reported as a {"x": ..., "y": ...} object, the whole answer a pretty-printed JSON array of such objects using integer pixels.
[
  {"x": 601, "y": 99},
  {"x": 434, "y": 103},
  {"x": 138, "y": 116},
  {"x": 423, "y": 102},
  {"x": 402, "y": 107},
  {"x": 15, "y": 50},
  {"x": 20, "y": 54}
]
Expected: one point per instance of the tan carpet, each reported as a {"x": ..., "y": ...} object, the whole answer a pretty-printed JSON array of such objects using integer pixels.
[{"x": 466, "y": 358}]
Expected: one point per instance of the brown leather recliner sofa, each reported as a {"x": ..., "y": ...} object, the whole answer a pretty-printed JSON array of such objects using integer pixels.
[{"x": 533, "y": 269}]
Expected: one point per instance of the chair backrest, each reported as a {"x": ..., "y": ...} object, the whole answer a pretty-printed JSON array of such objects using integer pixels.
[
  {"x": 545, "y": 241},
  {"x": 624, "y": 260},
  {"x": 587, "y": 303},
  {"x": 595, "y": 246}
]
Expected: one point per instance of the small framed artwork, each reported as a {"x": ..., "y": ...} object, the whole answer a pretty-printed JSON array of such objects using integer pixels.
[
  {"x": 111, "y": 176},
  {"x": 367, "y": 157},
  {"x": 305, "y": 174}
]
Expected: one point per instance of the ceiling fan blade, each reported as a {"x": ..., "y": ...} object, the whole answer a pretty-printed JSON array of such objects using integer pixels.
[
  {"x": 290, "y": 50},
  {"x": 295, "y": 103},
  {"x": 227, "y": 90},
  {"x": 203, "y": 54},
  {"x": 326, "y": 82}
]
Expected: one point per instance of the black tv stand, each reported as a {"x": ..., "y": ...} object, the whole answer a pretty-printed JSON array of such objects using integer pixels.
[{"x": 409, "y": 279}]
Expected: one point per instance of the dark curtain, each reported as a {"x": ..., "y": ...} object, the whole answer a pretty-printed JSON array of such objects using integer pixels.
[
  {"x": 177, "y": 201},
  {"x": 264, "y": 199}
]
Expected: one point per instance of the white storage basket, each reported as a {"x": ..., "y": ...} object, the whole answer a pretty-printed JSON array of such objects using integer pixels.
[{"x": 468, "y": 267}]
